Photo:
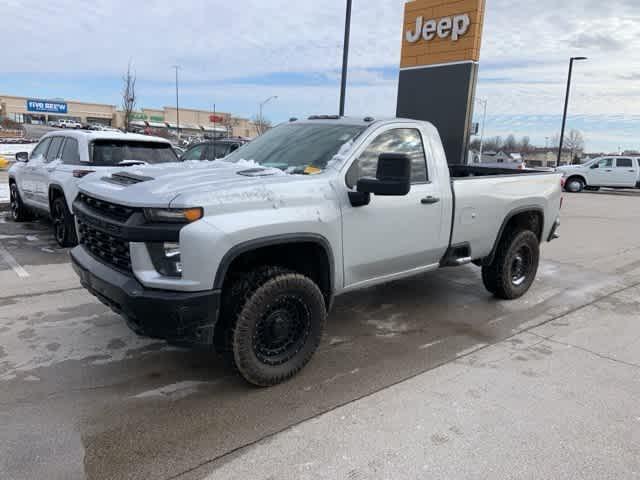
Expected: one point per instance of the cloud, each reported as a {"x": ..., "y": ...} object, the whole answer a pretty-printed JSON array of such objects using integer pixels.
[
  {"x": 238, "y": 53},
  {"x": 598, "y": 41}
]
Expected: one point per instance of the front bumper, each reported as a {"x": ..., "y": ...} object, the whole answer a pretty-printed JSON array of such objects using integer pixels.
[{"x": 182, "y": 318}]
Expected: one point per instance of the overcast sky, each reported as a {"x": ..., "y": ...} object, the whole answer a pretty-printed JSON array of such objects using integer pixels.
[{"x": 236, "y": 53}]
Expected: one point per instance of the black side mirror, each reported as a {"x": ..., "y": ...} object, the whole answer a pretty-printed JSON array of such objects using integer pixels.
[
  {"x": 393, "y": 176},
  {"x": 22, "y": 157},
  {"x": 594, "y": 166}
]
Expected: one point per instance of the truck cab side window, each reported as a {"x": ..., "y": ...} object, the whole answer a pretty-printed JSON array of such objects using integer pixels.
[
  {"x": 605, "y": 163},
  {"x": 400, "y": 140},
  {"x": 194, "y": 153},
  {"x": 624, "y": 163}
]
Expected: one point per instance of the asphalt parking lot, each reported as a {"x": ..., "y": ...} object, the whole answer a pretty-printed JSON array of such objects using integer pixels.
[{"x": 83, "y": 397}]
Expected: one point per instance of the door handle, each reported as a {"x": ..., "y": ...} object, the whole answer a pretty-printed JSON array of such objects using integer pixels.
[
  {"x": 429, "y": 200},
  {"x": 608, "y": 170},
  {"x": 632, "y": 171}
]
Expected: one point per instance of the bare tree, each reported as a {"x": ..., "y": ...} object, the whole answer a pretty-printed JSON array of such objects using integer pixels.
[
  {"x": 525, "y": 145},
  {"x": 128, "y": 95},
  {"x": 262, "y": 124},
  {"x": 510, "y": 144},
  {"x": 229, "y": 123},
  {"x": 575, "y": 143}
]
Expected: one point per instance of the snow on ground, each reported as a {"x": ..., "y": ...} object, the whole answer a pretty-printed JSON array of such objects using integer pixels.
[
  {"x": 4, "y": 192},
  {"x": 10, "y": 149}
]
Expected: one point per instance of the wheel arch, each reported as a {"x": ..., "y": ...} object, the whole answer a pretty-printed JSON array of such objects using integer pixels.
[
  {"x": 579, "y": 176},
  {"x": 307, "y": 253},
  {"x": 55, "y": 191},
  {"x": 526, "y": 218}
]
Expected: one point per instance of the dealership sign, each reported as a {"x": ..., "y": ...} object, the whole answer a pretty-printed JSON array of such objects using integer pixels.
[
  {"x": 46, "y": 106},
  {"x": 455, "y": 27}
]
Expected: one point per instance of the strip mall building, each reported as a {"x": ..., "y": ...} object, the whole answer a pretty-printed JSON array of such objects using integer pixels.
[{"x": 34, "y": 110}]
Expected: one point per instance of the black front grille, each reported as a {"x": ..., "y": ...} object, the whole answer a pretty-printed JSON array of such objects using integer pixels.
[
  {"x": 112, "y": 250},
  {"x": 110, "y": 210}
]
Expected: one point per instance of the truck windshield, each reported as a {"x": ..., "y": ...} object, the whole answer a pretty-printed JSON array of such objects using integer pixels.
[
  {"x": 302, "y": 148},
  {"x": 108, "y": 153}
]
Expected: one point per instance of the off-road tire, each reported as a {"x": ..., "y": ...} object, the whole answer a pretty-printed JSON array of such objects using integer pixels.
[
  {"x": 489, "y": 280},
  {"x": 19, "y": 212},
  {"x": 515, "y": 265},
  {"x": 254, "y": 300},
  {"x": 64, "y": 227}
]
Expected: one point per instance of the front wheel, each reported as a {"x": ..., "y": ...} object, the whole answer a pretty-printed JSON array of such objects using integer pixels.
[
  {"x": 63, "y": 225},
  {"x": 278, "y": 328},
  {"x": 514, "y": 267},
  {"x": 575, "y": 185}
]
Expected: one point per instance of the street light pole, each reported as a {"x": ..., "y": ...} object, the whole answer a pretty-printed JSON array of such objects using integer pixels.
[
  {"x": 345, "y": 57},
  {"x": 177, "y": 67},
  {"x": 262, "y": 104},
  {"x": 566, "y": 106},
  {"x": 484, "y": 120}
]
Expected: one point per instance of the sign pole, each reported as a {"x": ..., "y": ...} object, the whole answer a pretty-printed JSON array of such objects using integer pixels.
[{"x": 345, "y": 57}]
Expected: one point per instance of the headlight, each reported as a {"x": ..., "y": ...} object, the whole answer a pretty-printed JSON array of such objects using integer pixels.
[
  {"x": 166, "y": 258},
  {"x": 173, "y": 215}
]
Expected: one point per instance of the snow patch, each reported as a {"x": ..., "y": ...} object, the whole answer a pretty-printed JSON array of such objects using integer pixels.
[
  {"x": 174, "y": 391},
  {"x": 4, "y": 193},
  {"x": 341, "y": 156},
  {"x": 10, "y": 149}
]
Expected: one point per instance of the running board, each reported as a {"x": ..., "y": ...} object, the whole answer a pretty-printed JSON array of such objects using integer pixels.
[{"x": 457, "y": 255}]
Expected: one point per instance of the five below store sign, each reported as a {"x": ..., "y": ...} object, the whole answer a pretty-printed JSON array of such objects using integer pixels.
[{"x": 46, "y": 106}]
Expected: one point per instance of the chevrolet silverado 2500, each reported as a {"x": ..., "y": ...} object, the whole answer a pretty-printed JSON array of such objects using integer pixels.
[{"x": 246, "y": 254}]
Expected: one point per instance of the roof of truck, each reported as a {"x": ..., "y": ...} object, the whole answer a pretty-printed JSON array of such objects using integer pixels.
[{"x": 364, "y": 121}]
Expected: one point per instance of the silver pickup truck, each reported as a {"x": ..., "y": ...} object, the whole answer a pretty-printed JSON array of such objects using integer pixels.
[{"x": 246, "y": 254}]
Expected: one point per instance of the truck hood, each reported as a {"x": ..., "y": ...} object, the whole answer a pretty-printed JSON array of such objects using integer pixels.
[{"x": 185, "y": 184}]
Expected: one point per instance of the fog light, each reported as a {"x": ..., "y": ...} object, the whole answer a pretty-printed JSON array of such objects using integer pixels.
[{"x": 166, "y": 258}]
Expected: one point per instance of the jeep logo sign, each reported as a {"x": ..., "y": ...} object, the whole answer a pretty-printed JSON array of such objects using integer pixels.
[
  {"x": 439, "y": 32},
  {"x": 454, "y": 27}
]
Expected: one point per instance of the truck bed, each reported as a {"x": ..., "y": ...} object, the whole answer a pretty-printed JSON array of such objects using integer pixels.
[{"x": 485, "y": 197}]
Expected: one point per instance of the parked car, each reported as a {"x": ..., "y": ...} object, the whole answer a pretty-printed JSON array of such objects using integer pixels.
[
  {"x": 246, "y": 254},
  {"x": 46, "y": 181},
  {"x": 212, "y": 150},
  {"x": 65, "y": 123},
  {"x": 611, "y": 171}
]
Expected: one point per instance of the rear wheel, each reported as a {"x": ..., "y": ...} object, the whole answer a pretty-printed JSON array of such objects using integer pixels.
[
  {"x": 63, "y": 225},
  {"x": 278, "y": 326},
  {"x": 575, "y": 185},
  {"x": 514, "y": 268},
  {"x": 19, "y": 212}
]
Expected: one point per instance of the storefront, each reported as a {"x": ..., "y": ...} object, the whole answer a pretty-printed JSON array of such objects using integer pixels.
[{"x": 41, "y": 111}]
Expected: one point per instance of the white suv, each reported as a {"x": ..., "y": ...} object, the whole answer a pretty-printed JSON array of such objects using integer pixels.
[
  {"x": 65, "y": 123},
  {"x": 46, "y": 181}
]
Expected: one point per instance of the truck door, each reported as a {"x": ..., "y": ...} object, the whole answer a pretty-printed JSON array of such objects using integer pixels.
[
  {"x": 393, "y": 234},
  {"x": 600, "y": 173},
  {"x": 625, "y": 173}
]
